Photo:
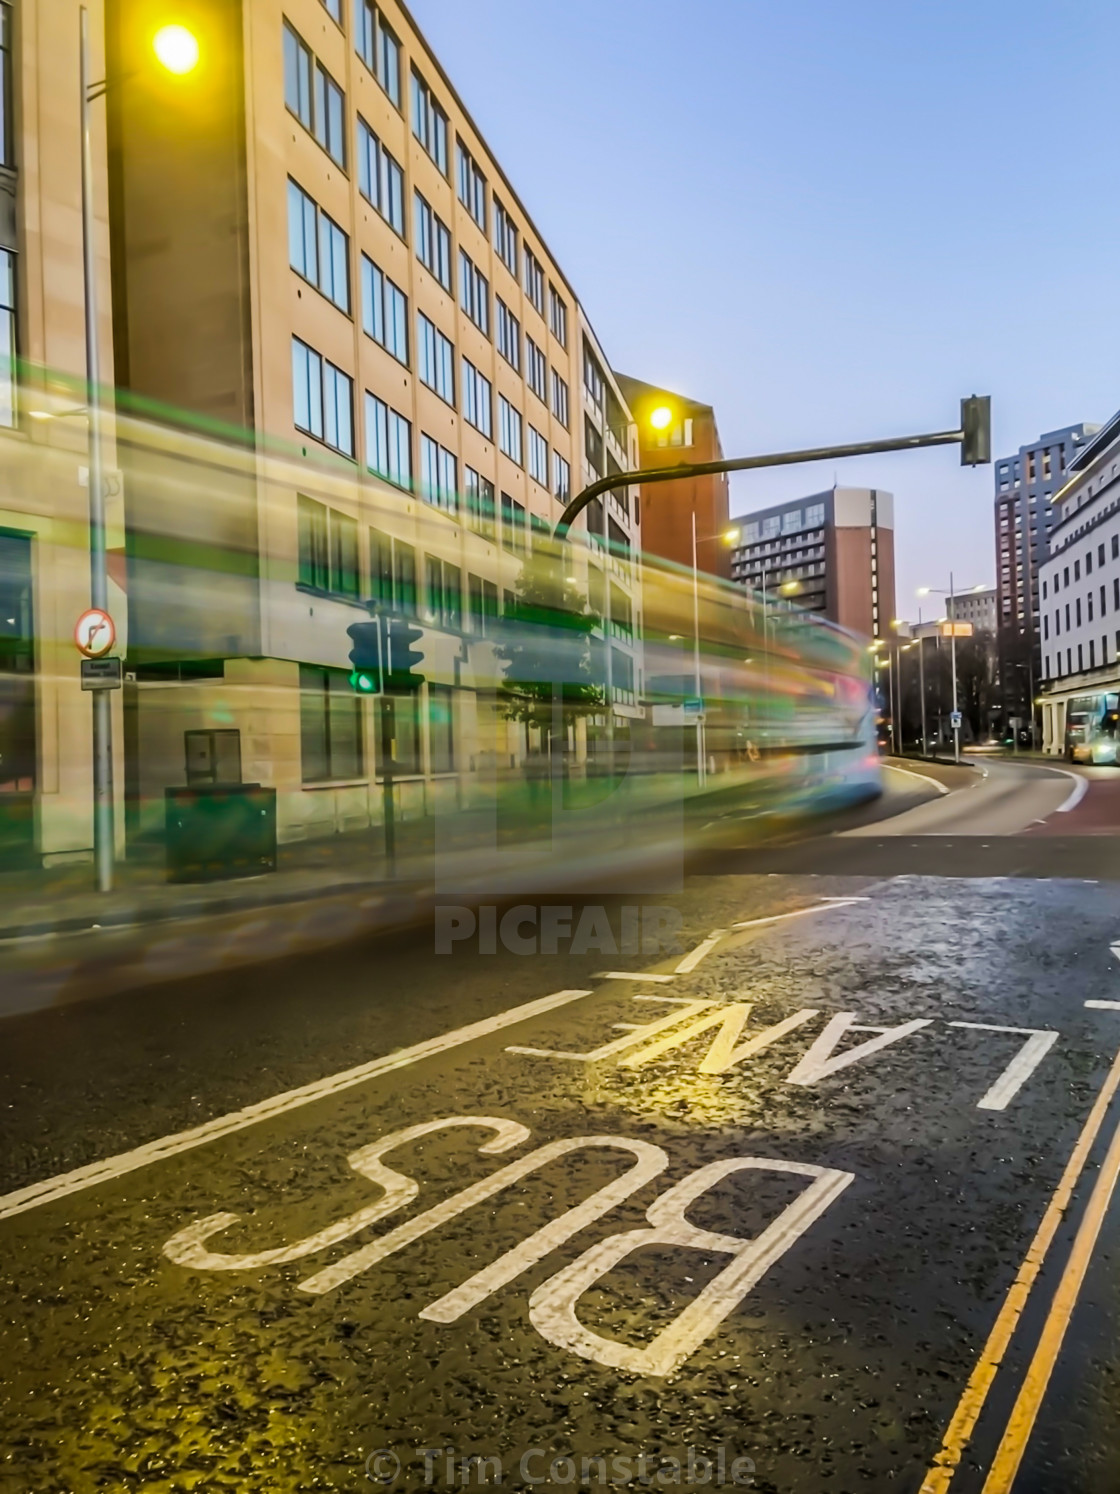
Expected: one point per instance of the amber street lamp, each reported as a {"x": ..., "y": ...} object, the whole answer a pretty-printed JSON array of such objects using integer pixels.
[{"x": 176, "y": 50}]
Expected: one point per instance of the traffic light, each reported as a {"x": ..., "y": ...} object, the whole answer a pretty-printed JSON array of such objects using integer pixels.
[
  {"x": 976, "y": 423},
  {"x": 401, "y": 674},
  {"x": 366, "y": 656}
]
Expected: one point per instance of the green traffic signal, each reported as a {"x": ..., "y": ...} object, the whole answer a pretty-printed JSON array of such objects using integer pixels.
[{"x": 364, "y": 683}]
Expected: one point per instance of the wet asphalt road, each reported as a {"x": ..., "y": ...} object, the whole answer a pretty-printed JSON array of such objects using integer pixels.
[{"x": 808, "y": 1170}]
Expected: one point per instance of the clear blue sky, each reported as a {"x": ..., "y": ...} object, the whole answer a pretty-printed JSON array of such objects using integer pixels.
[{"x": 828, "y": 218}]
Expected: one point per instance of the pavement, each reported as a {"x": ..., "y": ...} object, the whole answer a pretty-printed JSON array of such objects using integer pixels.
[{"x": 799, "y": 1179}]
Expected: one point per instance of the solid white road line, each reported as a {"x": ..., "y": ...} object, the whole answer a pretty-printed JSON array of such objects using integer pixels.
[
  {"x": 1078, "y": 792},
  {"x": 239, "y": 1120},
  {"x": 694, "y": 956},
  {"x": 826, "y": 905},
  {"x": 1104, "y": 1006},
  {"x": 909, "y": 772},
  {"x": 632, "y": 975}
]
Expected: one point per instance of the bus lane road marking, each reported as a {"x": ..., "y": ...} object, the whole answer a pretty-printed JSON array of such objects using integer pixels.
[
  {"x": 645, "y": 1042},
  {"x": 552, "y": 1306},
  {"x": 63, "y": 1185}
]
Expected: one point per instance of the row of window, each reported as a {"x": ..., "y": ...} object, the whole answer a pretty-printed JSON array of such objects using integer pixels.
[
  {"x": 314, "y": 97},
  {"x": 425, "y": 587},
  {"x": 319, "y": 251},
  {"x": 1086, "y": 657},
  {"x": 332, "y": 746},
  {"x": 1073, "y": 619},
  {"x": 1062, "y": 578},
  {"x": 323, "y": 398},
  {"x": 793, "y": 521},
  {"x": 380, "y": 50}
]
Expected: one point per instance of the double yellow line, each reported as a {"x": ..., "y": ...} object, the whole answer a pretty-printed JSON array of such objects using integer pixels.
[{"x": 1013, "y": 1444}]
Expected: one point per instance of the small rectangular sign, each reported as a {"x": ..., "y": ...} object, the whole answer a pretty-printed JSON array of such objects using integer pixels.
[
  {"x": 694, "y": 706},
  {"x": 101, "y": 674},
  {"x": 955, "y": 720}
]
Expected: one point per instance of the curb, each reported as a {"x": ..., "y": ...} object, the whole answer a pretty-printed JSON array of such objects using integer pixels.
[{"x": 207, "y": 907}]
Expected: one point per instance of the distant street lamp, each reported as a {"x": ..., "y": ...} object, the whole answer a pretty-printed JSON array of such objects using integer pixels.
[
  {"x": 924, "y": 591},
  {"x": 903, "y": 649},
  {"x": 177, "y": 51}
]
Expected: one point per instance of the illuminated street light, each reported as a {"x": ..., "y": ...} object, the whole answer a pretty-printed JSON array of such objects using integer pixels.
[
  {"x": 661, "y": 418},
  {"x": 177, "y": 51},
  {"x": 176, "y": 48},
  {"x": 731, "y": 536}
]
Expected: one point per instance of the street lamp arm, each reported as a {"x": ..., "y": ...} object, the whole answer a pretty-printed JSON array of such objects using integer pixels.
[
  {"x": 99, "y": 89},
  {"x": 746, "y": 464}
]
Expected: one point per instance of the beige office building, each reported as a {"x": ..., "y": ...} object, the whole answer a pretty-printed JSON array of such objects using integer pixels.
[
  {"x": 45, "y": 719},
  {"x": 314, "y": 244}
]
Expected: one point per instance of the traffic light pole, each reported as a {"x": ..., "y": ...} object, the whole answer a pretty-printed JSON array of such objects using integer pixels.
[
  {"x": 385, "y": 706},
  {"x": 971, "y": 436},
  {"x": 385, "y": 660}
]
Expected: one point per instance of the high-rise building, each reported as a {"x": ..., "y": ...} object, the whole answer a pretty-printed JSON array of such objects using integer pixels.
[
  {"x": 673, "y": 511},
  {"x": 831, "y": 553},
  {"x": 1025, "y": 485},
  {"x": 314, "y": 241}
]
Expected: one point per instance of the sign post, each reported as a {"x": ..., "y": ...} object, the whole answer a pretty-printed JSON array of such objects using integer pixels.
[
  {"x": 101, "y": 674},
  {"x": 94, "y": 635}
]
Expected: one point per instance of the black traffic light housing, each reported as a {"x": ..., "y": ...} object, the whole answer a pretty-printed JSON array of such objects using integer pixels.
[
  {"x": 383, "y": 658},
  {"x": 366, "y": 657},
  {"x": 401, "y": 674},
  {"x": 976, "y": 425}
]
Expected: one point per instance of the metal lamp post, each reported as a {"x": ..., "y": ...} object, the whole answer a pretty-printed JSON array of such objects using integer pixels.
[
  {"x": 952, "y": 595},
  {"x": 177, "y": 51},
  {"x": 956, "y": 718},
  {"x": 103, "y": 831},
  {"x": 922, "y": 682}
]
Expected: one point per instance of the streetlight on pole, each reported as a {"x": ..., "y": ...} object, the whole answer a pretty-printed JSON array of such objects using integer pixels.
[
  {"x": 901, "y": 649},
  {"x": 922, "y": 681},
  {"x": 896, "y": 687},
  {"x": 924, "y": 591},
  {"x": 177, "y": 51}
]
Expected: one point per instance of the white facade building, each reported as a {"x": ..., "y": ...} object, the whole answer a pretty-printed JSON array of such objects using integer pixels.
[
  {"x": 1079, "y": 587},
  {"x": 975, "y": 607}
]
